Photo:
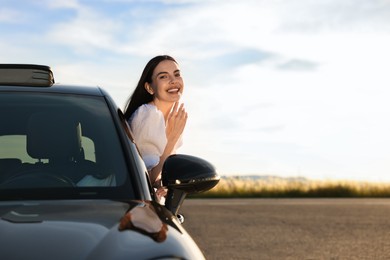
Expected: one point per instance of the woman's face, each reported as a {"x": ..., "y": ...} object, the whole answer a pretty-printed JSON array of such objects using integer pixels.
[{"x": 167, "y": 84}]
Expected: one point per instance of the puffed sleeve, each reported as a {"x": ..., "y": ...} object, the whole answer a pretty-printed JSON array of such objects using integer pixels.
[{"x": 148, "y": 127}]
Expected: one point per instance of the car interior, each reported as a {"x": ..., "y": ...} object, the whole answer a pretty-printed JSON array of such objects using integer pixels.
[{"x": 58, "y": 141}]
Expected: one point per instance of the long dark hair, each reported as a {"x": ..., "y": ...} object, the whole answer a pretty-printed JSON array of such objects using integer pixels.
[{"x": 140, "y": 96}]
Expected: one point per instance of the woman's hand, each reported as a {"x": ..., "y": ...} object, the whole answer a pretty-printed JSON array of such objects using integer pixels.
[
  {"x": 176, "y": 122},
  {"x": 161, "y": 192}
]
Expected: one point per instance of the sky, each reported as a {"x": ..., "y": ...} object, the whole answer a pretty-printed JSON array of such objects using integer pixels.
[{"x": 287, "y": 88}]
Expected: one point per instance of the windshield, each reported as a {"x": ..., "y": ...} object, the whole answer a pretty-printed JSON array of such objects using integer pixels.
[{"x": 59, "y": 143}]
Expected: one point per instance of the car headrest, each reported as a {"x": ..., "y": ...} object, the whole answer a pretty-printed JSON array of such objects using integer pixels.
[
  {"x": 53, "y": 136},
  {"x": 9, "y": 163}
]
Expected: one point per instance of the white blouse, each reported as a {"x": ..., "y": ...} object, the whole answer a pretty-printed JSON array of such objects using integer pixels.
[{"x": 148, "y": 127}]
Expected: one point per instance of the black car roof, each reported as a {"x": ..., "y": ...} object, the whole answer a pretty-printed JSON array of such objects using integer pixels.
[
  {"x": 56, "y": 88},
  {"x": 38, "y": 78}
]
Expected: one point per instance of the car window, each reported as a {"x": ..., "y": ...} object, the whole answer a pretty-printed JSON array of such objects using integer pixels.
[
  {"x": 89, "y": 148},
  {"x": 52, "y": 140},
  {"x": 15, "y": 148}
]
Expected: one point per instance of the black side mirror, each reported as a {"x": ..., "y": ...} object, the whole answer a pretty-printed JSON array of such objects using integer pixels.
[{"x": 185, "y": 174}]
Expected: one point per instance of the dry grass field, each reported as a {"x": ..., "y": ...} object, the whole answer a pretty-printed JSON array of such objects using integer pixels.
[
  {"x": 275, "y": 187},
  {"x": 290, "y": 228}
]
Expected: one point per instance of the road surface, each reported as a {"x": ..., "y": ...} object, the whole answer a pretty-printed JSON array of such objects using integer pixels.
[{"x": 290, "y": 228}]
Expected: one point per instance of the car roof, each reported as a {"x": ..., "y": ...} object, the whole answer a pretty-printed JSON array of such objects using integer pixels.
[
  {"x": 56, "y": 88},
  {"x": 38, "y": 78}
]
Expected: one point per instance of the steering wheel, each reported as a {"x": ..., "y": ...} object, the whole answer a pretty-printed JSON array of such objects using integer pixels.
[{"x": 37, "y": 179}]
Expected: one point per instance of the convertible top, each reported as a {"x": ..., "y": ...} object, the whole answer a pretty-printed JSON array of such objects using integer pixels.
[{"x": 26, "y": 75}]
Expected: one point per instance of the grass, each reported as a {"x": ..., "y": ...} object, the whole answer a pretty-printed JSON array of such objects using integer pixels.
[{"x": 274, "y": 187}]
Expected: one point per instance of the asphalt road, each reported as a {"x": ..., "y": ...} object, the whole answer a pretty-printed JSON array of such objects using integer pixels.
[{"x": 290, "y": 228}]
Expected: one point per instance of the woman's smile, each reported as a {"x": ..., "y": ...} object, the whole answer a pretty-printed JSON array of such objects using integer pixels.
[{"x": 173, "y": 90}]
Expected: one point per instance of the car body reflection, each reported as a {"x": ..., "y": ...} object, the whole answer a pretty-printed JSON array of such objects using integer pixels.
[{"x": 145, "y": 220}]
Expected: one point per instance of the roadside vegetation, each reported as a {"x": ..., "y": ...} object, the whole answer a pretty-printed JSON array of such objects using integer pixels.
[{"x": 275, "y": 187}]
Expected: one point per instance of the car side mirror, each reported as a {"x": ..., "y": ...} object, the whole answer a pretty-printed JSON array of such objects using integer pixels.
[{"x": 186, "y": 174}]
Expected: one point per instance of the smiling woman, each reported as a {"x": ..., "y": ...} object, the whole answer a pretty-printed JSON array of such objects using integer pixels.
[{"x": 155, "y": 116}]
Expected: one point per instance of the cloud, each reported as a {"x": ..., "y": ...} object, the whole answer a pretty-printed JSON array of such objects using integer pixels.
[
  {"x": 271, "y": 129},
  {"x": 201, "y": 34},
  {"x": 201, "y": 31},
  {"x": 242, "y": 57},
  {"x": 297, "y": 64},
  {"x": 87, "y": 32},
  {"x": 8, "y": 15},
  {"x": 61, "y": 4}
]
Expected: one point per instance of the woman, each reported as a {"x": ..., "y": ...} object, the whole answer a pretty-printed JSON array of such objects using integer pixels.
[{"x": 155, "y": 117}]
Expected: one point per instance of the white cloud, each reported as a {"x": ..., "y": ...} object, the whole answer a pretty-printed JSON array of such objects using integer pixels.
[
  {"x": 59, "y": 4},
  {"x": 8, "y": 15},
  {"x": 88, "y": 32}
]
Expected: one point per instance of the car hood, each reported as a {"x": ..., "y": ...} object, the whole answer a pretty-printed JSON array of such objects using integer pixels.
[{"x": 92, "y": 230}]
